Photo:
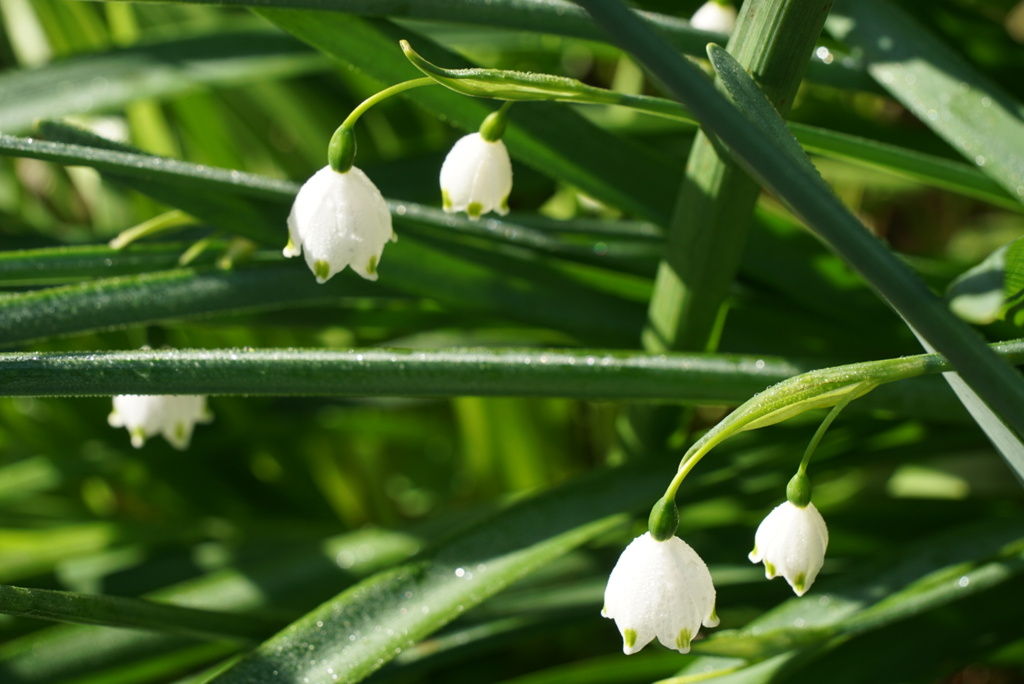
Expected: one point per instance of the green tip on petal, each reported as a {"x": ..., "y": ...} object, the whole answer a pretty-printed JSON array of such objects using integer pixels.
[
  {"x": 322, "y": 270},
  {"x": 475, "y": 210},
  {"x": 446, "y": 200},
  {"x": 769, "y": 569},
  {"x": 629, "y": 635},
  {"x": 683, "y": 640},
  {"x": 179, "y": 430},
  {"x": 800, "y": 583},
  {"x": 371, "y": 266},
  {"x": 504, "y": 205}
]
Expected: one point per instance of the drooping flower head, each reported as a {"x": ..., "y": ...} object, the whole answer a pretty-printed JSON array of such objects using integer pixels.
[
  {"x": 791, "y": 541},
  {"x": 659, "y": 589},
  {"x": 172, "y": 416},
  {"x": 476, "y": 177},
  {"x": 339, "y": 219},
  {"x": 714, "y": 16}
]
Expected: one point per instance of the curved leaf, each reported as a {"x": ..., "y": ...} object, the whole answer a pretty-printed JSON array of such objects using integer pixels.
[{"x": 352, "y": 635}]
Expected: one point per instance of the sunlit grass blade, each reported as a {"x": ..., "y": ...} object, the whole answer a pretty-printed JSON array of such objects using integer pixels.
[
  {"x": 472, "y": 279},
  {"x": 281, "y": 585},
  {"x": 91, "y": 84},
  {"x": 56, "y": 265},
  {"x": 120, "y": 611},
  {"x": 966, "y": 108},
  {"x": 247, "y": 204},
  {"x": 159, "y": 296},
  {"x": 558, "y": 17},
  {"x": 358, "y": 631}
]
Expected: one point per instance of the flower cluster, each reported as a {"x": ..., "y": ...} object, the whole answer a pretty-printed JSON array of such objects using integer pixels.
[
  {"x": 663, "y": 589},
  {"x": 172, "y": 416},
  {"x": 340, "y": 218}
]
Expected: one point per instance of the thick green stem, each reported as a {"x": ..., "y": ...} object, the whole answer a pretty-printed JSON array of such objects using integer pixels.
[{"x": 773, "y": 40}]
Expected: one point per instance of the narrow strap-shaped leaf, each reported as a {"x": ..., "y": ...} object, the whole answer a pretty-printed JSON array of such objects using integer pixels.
[
  {"x": 161, "y": 295},
  {"x": 103, "y": 81},
  {"x": 277, "y": 584},
  {"x": 465, "y": 277},
  {"x": 121, "y": 611},
  {"x": 558, "y": 17},
  {"x": 51, "y": 265},
  {"x": 361, "y": 629},
  {"x": 594, "y": 374},
  {"x": 756, "y": 135},
  {"x": 963, "y": 106},
  {"x": 76, "y": 147}
]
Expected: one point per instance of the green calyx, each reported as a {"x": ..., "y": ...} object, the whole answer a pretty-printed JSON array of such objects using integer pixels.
[
  {"x": 341, "y": 153},
  {"x": 493, "y": 126},
  {"x": 664, "y": 519},
  {"x": 798, "y": 491}
]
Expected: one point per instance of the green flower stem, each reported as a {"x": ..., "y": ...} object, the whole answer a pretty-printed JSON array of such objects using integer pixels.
[
  {"x": 341, "y": 151},
  {"x": 773, "y": 40},
  {"x": 820, "y": 432},
  {"x": 828, "y": 387}
]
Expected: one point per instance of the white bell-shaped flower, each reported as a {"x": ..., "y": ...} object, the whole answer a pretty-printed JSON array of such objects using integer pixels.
[
  {"x": 791, "y": 541},
  {"x": 172, "y": 416},
  {"x": 476, "y": 177},
  {"x": 659, "y": 589},
  {"x": 339, "y": 219},
  {"x": 713, "y": 16}
]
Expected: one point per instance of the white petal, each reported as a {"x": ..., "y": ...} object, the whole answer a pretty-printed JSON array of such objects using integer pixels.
[
  {"x": 712, "y": 16},
  {"x": 339, "y": 220},
  {"x": 791, "y": 541},
  {"x": 476, "y": 176},
  {"x": 139, "y": 414},
  {"x": 147, "y": 415},
  {"x": 659, "y": 589}
]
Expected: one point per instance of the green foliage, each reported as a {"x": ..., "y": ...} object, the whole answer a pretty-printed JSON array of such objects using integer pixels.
[{"x": 428, "y": 478}]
